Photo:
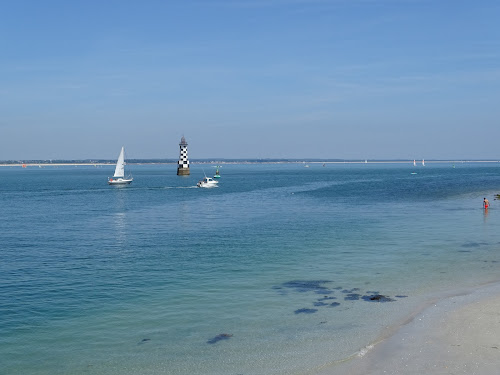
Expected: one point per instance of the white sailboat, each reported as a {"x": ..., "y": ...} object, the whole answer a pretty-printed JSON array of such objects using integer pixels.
[
  {"x": 119, "y": 176},
  {"x": 423, "y": 163},
  {"x": 414, "y": 163}
]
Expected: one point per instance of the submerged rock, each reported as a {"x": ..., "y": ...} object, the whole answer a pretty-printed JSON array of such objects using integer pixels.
[
  {"x": 350, "y": 290},
  {"x": 222, "y": 336},
  {"x": 326, "y": 298},
  {"x": 334, "y": 304},
  {"x": 305, "y": 311},
  {"x": 378, "y": 298},
  {"x": 352, "y": 297},
  {"x": 303, "y": 286}
]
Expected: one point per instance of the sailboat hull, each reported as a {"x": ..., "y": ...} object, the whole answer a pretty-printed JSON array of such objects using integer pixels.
[{"x": 120, "y": 181}]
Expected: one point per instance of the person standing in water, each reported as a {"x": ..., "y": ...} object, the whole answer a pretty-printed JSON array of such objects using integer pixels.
[{"x": 486, "y": 203}]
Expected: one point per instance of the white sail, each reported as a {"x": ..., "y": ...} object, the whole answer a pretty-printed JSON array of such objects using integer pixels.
[
  {"x": 414, "y": 163},
  {"x": 120, "y": 165},
  {"x": 423, "y": 163}
]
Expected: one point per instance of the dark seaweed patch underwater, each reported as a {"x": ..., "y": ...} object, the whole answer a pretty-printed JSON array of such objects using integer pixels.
[
  {"x": 305, "y": 311},
  {"x": 318, "y": 287},
  {"x": 304, "y": 286},
  {"x": 220, "y": 337}
]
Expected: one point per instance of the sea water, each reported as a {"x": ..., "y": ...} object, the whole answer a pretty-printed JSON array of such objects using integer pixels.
[{"x": 280, "y": 270}]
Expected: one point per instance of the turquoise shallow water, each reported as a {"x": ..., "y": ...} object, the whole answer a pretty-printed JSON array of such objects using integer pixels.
[{"x": 270, "y": 273}]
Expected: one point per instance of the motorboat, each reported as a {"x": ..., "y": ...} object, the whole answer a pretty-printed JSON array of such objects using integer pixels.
[{"x": 207, "y": 182}]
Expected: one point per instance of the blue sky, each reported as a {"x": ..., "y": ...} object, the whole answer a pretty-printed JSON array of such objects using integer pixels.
[{"x": 349, "y": 79}]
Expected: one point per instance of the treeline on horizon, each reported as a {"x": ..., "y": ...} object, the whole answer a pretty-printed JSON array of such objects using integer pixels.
[
  {"x": 220, "y": 161},
  {"x": 165, "y": 161}
]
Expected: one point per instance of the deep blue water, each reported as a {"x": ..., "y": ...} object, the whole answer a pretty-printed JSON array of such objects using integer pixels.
[{"x": 163, "y": 277}]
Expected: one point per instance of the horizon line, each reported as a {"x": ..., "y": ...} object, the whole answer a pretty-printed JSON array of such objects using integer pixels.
[{"x": 92, "y": 162}]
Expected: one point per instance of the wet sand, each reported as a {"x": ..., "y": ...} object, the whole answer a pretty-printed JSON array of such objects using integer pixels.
[{"x": 456, "y": 335}]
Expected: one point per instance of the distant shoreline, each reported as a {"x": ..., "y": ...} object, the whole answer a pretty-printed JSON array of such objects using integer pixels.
[{"x": 270, "y": 161}]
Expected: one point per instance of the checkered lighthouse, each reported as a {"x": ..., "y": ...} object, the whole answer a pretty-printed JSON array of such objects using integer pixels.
[{"x": 183, "y": 163}]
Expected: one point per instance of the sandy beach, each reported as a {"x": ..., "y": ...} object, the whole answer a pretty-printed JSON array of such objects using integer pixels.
[{"x": 455, "y": 335}]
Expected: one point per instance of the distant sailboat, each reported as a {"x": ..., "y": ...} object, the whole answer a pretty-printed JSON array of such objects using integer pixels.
[
  {"x": 119, "y": 176},
  {"x": 414, "y": 163},
  {"x": 423, "y": 163}
]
